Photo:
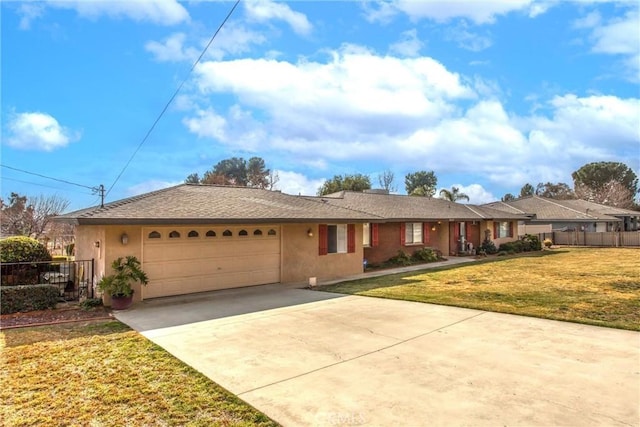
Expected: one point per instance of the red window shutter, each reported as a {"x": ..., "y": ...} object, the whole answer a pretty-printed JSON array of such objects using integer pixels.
[
  {"x": 323, "y": 243},
  {"x": 495, "y": 230},
  {"x": 403, "y": 229},
  {"x": 510, "y": 228},
  {"x": 425, "y": 232},
  {"x": 374, "y": 234},
  {"x": 351, "y": 238}
]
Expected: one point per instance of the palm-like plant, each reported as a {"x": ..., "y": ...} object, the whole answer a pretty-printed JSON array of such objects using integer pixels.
[
  {"x": 453, "y": 195},
  {"x": 126, "y": 272}
]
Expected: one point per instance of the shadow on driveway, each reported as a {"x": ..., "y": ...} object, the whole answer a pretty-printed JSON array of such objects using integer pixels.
[{"x": 185, "y": 309}]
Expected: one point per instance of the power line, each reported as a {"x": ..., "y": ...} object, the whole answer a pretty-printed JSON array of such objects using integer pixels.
[
  {"x": 48, "y": 177},
  {"x": 95, "y": 190},
  {"x": 173, "y": 97},
  {"x": 41, "y": 185}
]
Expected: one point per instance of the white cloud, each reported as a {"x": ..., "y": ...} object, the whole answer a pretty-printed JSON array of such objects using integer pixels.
[
  {"x": 359, "y": 108},
  {"x": 617, "y": 36},
  {"x": 172, "y": 49},
  {"x": 38, "y": 131},
  {"x": 409, "y": 45},
  {"x": 238, "y": 129},
  {"x": 297, "y": 183},
  {"x": 479, "y": 12},
  {"x": 476, "y": 192},
  {"x": 234, "y": 39},
  {"x": 29, "y": 12},
  {"x": 266, "y": 10},
  {"x": 150, "y": 185},
  {"x": 468, "y": 40},
  {"x": 162, "y": 12},
  {"x": 207, "y": 124}
]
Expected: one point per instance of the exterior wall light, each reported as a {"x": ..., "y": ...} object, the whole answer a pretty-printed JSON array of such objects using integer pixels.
[
  {"x": 310, "y": 232},
  {"x": 96, "y": 243},
  {"x": 124, "y": 239},
  {"x": 433, "y": 228}
]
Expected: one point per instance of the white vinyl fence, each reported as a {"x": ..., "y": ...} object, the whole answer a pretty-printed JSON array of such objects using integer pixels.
[{"x": 583, "y": 238}]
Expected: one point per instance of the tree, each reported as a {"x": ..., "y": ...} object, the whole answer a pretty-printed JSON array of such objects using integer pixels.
[
  {"x": 386, "y": 181},
  {"x": 559, "y": 191},
  {"x": 612, "y": 194},
  {"x": 192, "y": 179},
  {"x": 594, "y": 182},
  {"x": 527, "y": 190},
  {"x": 235, "y": 171},
  {"x": 421, "y": 183},
  {"x": 257, "y": 173},
  {"x": 453, "y": 195},
  {"x": 508, "y": 197},
  {"x": 23, "y": 216},
  {"x": 355, "y": 182},
  {"x": 273, "y": 180}
]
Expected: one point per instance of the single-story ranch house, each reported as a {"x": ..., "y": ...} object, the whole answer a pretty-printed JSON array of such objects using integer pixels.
[
  {"x": 195, "y": 238},
  {"x": 546, "y": 215}
]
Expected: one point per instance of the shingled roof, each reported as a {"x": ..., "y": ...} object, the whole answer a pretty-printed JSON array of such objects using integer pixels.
[
  {"x": 545, "y": 209},
  {"x": 189, "y": 203},
  {"x": 406, "y": 208}
]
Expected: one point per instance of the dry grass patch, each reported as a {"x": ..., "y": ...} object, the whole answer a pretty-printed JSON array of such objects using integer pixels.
[
  {"x": 593, "y": 286},
  {"x": 104, "y": 374}
]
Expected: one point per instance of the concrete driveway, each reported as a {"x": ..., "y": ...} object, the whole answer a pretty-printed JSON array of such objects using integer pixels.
[{"x": 314, "y": 358}]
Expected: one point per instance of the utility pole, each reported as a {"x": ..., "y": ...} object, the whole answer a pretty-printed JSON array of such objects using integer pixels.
[{"x": 99, "y": 190}]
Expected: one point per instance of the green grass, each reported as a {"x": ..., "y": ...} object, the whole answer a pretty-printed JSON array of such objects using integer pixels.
[
  {"x": 593, "y": 286},
  {"x": 104, "y": 374}
]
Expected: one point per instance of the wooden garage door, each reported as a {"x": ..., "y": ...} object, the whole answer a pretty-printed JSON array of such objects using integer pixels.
[{"x": 184, "y": 260}]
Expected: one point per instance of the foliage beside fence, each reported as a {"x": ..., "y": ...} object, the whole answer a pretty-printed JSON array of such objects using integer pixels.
[{"x": 27, "y": 298}]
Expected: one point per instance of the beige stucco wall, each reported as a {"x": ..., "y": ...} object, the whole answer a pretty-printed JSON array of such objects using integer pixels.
[
  {"x": 499, "y": 241},
  {"x": 300, "y": 259}
]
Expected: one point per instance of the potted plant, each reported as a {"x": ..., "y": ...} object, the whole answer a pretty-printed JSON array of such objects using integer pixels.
[{"x": 118, "y": 285}]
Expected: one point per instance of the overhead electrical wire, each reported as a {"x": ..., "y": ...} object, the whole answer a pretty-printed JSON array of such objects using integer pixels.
[
  {"x": 5, "y": 178},
  {"x": 175, "y": 93},
  {"x": 48, "y": 177}
]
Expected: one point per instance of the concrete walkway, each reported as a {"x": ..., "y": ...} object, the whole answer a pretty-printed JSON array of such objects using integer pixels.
[{"x": 316, "y": 358}]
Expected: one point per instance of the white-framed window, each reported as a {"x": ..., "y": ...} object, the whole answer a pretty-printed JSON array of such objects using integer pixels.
[
  {"x": 413, "y": 233},
  {"x": 337, "y": 239},
  {"x": 366, "y": 234},
  {"x": 503, "y": 229}
]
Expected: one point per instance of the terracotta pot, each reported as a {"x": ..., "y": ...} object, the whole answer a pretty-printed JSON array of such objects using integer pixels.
[{"x": 121, "y": 302}]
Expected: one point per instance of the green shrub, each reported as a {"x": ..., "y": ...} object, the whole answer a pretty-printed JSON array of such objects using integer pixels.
[
  {"x": 531, "y": 243},
  {"x": 90, "y": 303},
  {"x": 22, "y": 249},
  {"x": 527, "y": 243},
  {"x": 402, "y": 259},
  {"x": 426, "y": 255},
  {"x": 28, "y": 298},
  {"x": 487, "y": 247}
]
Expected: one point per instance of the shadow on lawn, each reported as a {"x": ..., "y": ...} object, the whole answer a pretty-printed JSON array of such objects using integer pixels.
[
  {"x": 60, "y": 332},
  {"x": 402, "y": 279}
]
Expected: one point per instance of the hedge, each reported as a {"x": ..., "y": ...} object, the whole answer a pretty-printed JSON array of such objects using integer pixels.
[{"x": 28, "y": 298}]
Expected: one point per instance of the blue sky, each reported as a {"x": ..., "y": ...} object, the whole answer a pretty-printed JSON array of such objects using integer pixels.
[{"x": 489, "y": 95}]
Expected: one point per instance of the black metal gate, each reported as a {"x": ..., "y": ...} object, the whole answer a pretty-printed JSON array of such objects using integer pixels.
[{"x": 74, "y": 279}]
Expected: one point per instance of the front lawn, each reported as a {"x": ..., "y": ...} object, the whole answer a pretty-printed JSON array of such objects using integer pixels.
[
  {"x": 593, "y": 286},
  {"x": 104, "y": 374}
]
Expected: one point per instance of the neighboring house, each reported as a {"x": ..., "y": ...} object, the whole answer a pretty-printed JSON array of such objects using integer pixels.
[
  {"x": 411, "y": 223},
  {"x": 546, "y": 215},
  {"x": 195, "y": 238}
]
